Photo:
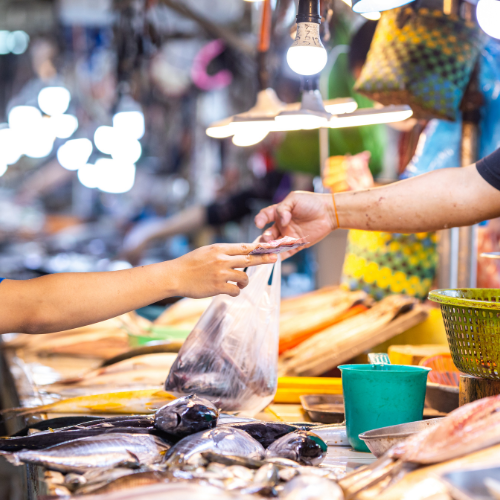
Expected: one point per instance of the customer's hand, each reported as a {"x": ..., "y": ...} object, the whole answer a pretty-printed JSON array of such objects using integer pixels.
[
  {"x": 207, "y": 271},
  {"x": 301, "y": 214}
]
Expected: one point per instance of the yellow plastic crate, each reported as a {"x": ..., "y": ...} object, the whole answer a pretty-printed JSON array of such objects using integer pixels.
[{"x": 291, "y": 388}]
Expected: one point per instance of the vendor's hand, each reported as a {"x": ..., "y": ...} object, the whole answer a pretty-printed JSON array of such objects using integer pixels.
[
  {"x": 205, "y": 272},
  {"x": 301, "y": 214}
]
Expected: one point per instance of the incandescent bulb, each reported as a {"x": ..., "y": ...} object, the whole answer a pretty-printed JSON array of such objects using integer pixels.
[
  {"x": 130, "y": 123},
  {"x": 249, "y": 138},
  {"x": 488, "y": 16},
  {"x": 54, "y": 100},
  {"x": 74, "y": 154},
  {"x": 63, "y": 126},
  {"x": 22, "y": 117},
  {"x": 126, "y": 150},
  {"x": 3, "y": 169},
  {"x": 307, "y": 56},
  {"x": 105, "y": 139}
]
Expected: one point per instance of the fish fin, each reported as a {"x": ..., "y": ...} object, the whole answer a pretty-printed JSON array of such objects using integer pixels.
[{"x": 136, "y": 460}]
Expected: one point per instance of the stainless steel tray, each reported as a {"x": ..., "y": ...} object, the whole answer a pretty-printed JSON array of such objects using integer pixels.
[
  {"x": 381, "y": 440},
  {"x": 469, "y": 484},
  {"x": 324, "y": 408}
]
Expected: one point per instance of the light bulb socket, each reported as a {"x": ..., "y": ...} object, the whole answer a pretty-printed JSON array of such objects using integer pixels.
[{"x": 308, "y": 12}]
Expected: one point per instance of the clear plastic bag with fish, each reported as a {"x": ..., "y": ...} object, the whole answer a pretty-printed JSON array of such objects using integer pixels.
[{"x": 231, "y": 355}]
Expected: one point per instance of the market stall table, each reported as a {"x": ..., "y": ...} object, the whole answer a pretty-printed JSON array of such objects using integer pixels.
[{"x": 23, "y": 376}]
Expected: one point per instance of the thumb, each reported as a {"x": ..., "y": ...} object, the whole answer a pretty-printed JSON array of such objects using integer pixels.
[{"x": 284, "y": 210}]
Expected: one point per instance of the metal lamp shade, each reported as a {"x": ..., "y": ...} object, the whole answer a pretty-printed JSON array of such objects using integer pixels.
[{"x": 366, "y": 6}]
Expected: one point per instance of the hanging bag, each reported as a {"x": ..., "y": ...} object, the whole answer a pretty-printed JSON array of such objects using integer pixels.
[
  {"x": 231, "y": 356},
  {"x": 423, "y": 58}
]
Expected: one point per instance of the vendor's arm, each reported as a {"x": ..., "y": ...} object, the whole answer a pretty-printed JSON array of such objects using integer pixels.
[
  {"x": 437, "y": 200},
  {"x": 62, "y": 301}
]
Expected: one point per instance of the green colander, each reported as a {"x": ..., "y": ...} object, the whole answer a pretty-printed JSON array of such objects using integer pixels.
[{"x": 472, "y": 321}]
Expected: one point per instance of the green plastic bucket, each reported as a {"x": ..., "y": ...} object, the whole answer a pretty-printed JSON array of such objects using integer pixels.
[{"x": 377, "y": 396}]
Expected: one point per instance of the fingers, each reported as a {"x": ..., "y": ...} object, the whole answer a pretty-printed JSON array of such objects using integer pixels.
[
  {"x": 231, "y": 290},
  {"x": 265, "y": 216},
  {"x": 252, "y": 260},
  {"x": 273, "y": 233},
  {"x": 237, "y": 249},
  {"x": 238, "y": 277}
]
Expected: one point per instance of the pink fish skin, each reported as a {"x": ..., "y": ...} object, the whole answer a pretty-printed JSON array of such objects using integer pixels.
[
  {"x": 278, "y": 246},
  {"x": 470, "y": 428}
]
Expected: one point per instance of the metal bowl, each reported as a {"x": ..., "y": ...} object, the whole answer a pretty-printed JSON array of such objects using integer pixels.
[{"x": 381, "y": 440}]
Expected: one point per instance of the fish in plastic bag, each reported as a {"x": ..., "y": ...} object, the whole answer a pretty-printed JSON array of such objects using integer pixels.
[{"x": 231, "y": 356}]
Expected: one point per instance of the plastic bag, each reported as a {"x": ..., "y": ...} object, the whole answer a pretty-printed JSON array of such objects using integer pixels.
[{"x": 231, "y": 356}]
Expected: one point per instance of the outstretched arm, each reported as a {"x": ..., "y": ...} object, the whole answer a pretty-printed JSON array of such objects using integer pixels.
[
  {"x": 64, "y": 301},
  {"x": 437, "y": 200}
]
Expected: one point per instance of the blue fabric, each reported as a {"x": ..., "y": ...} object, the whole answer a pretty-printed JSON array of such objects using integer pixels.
[{"x": 1, "y": 279}]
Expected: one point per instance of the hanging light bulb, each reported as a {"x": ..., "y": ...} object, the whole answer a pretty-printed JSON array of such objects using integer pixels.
[
  {"x": 371, "y": 6},
  {"x": 129, "y": 118},
  {"x": 371, "y": 116},
  {"x": 488, "y": 17},
  {"x": 371, "y": 16},
  {"x": 307, "y": 55},
  {"x": 340, "y": 106},
  {"x": 221, "y": 129},
  {"x": 74, "y": 154},
  {"x": 249, "y": 137},
  {"x": 311, "y": 114},
  {"x": 54, "y": 100},
  {"x": 63, "y": 126},
  {"x": 3, "y": 169},
  {"x": 130, "y": 123}
]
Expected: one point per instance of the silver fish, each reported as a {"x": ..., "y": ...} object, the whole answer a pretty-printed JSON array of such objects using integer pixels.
[
  {"x": 332, "y": 435},
  {"x": 225, "y": 441},
  {"x": 309, "y": 487},
  {"x": 172, "y": 491},
  {"x": 304, "y": 447},
  {"x": 106, "y": 450}
]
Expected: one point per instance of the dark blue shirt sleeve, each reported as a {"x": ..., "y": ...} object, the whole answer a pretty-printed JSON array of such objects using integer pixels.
[
  {"x": 489, "y": 169},
  {"x": 1, "y": 279}
]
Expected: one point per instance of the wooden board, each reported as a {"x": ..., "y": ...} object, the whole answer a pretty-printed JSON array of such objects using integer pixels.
[
  {"x": 474, "y": 388},
  {"x": 358, "y": 344}
]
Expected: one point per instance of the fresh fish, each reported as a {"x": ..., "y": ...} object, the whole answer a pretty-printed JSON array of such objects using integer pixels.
[
  {"x": 263, "y": 432},
  {"x": 126, "y": 482},
  {"x": 185, "y": 416},
  {"x": 232, "y": 460},
  {"x": 106, "y": 450},
  {"x": 93, "y": 479},
  {"x": 147, "y": 377},
  {"x": 128, "y": 402},
  {"x": 332, "y": 435},
  {"x": 267, "y": 475},
  {"x": 172, "y": 491},
  {"x": 165, "y": 347},
  {"x": 47, "y": 439},
  {"x": 311, "y": 488},
  {"x": 225, "y": 418},
  {"x": 465, "y": 430},
  {"x": 225, "y": 441},
  {"x": 468, "y": 429},
  {"x": 304, "y": 447},
  {"x": 281, "y": 462},
  {"x": 161, "y": 361},
  {"x": 56, "y": 423}
]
